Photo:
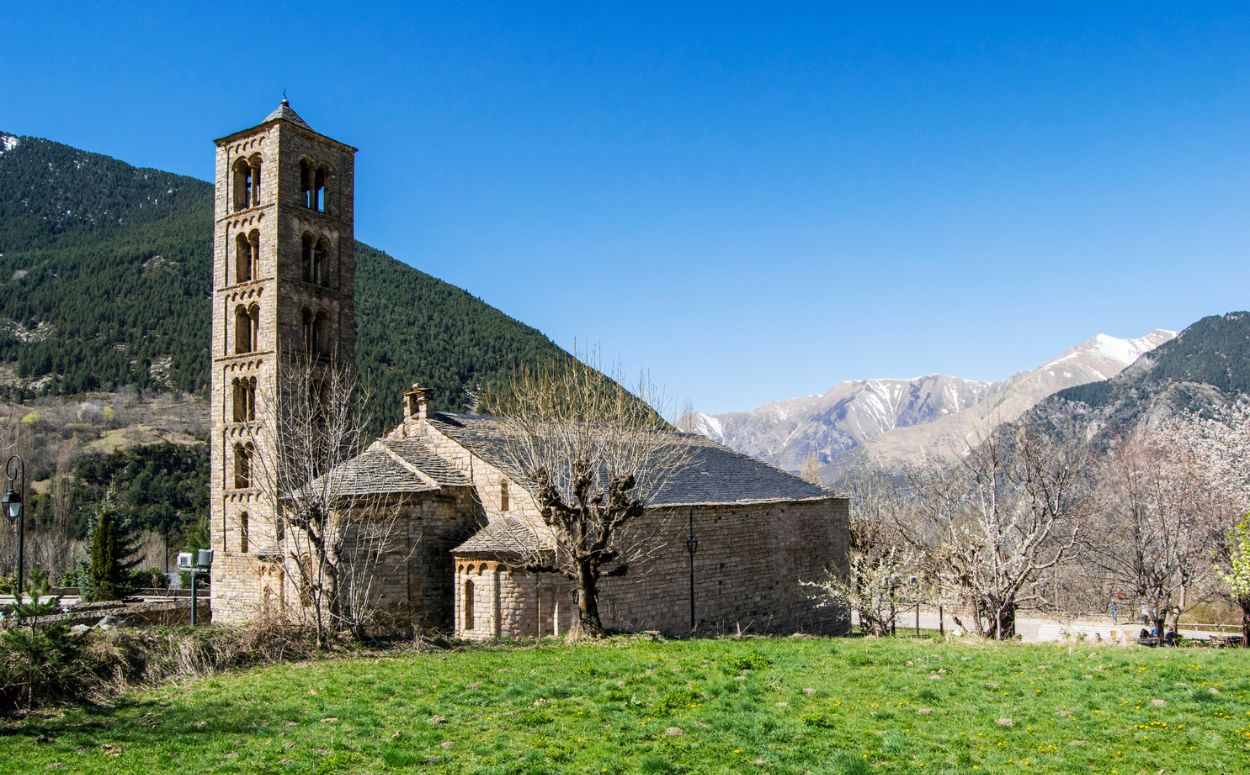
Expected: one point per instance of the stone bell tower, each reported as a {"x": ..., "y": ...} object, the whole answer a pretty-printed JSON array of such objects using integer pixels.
[{"x": 283, "y": 279}]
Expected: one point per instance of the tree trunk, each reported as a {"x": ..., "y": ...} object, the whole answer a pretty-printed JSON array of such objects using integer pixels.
[
  {"x": 1245, "y": 622},
  {"x": 588, "y": 622},
  {"x": 1007, "y": 623}
]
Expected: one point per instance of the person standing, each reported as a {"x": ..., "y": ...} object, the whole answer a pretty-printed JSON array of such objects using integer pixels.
[{"x": 1113, "y": 609}]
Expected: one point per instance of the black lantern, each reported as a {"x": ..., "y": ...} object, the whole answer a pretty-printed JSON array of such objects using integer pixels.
[
  {"x": 15, "y": 471},
  {"x": 12, "y": 501}
]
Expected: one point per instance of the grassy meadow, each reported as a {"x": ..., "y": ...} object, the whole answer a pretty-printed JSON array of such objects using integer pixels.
[{"x": 634, "y": 705}]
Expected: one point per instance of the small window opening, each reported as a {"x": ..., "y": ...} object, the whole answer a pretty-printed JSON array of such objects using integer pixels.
[
  {"x": 468, "y": 605},
  {"x": 255, "y": 169},
  {"x": 503, "y": 495},
  {"x": 242, "y": 184},
  {"x": 306, "y": 330},
  {"x": 321, "y": 334},
  {"x": 319, "y": 191},
  {"x": 243, "y": 466},
  {"x": 243, "y": 530},
  {"x": 243, "y": 259},
  {"x": 244, "y": 329},
  {"x": 244, "y": 399},
  {"x": 320, "y": 255},
  {"x": 306, "y": 257},
  {"x": 305, "y": 183}
]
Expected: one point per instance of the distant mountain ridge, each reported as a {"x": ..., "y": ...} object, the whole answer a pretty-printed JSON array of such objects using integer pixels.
[
  {"x": 1202, "y": 369},
  {"x": 891, "y": 421},
  {"x": 105, "y": 282}
]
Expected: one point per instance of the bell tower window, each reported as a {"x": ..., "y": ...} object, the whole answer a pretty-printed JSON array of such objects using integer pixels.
[
  {"x": 246, "y": 329},
  {"x": 243, "y": 465},
  {"x": 244, "y": 404}
]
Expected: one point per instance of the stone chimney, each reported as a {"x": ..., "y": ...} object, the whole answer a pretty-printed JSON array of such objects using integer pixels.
[{"x": 419, "y": 403}]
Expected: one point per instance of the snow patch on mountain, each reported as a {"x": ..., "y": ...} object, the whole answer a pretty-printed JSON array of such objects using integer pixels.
[
  {"x": 909, "y": 419},
  {"x": 7, "y": 143}
]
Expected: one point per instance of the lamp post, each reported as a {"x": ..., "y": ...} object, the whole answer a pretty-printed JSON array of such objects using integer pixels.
[
  {"x": 15, "y": 470},
  {"x": 692, "y": 546}
]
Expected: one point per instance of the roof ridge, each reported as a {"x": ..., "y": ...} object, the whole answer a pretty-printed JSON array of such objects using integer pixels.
[{"x": 393, "y": 455}]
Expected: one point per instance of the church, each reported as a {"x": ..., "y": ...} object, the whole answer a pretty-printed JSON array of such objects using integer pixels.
[{"x": 283, "y": 283}]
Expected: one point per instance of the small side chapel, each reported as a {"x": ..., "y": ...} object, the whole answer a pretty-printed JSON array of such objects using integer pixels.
[{"x": 283, "y": 282}]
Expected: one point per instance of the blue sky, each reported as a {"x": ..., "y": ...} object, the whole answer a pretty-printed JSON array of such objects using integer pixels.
[{"x": 752, "y": 202}]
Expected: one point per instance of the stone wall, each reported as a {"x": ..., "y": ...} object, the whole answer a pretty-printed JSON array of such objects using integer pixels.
[{"x": 749, "y": 566}]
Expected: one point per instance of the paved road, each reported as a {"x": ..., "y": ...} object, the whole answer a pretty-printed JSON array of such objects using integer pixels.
[{"x": 1039, "y": 630}]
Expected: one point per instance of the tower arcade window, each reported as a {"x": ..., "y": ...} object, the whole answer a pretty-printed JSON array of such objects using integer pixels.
[
  {"x": 244, "y": 399},
  {"x": 254, "y": 163},
  {"x": 315, "y": 331},
  {"x": 243, "y": 465},
  {"x": 246, "y": 329},
  {"x": 315, "y": 259},
  {"x": 246, "y": 175},
  {"x": 313, "y": 181},
  {"x": 242, "y": 184},
  {"x": 247, "y": 256}
]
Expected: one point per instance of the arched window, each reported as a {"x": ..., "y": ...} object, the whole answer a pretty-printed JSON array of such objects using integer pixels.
[
  {"x": 468, "y": 605},
  {"x": 242, "y": 330},
  {"x": 321, "y": 334},
  {"x": 253, "y": 312},
  {"x": 242, "y": 184},
  {"x": 244, "y": 399},
  {"x": 503, "y": 495},
  {"x": 320, "y": 198},
  {"x": 243, "y": 529},
  {"x": 255, "y": 167},
  {"x": 320, "y": 262},
  {"x": 242, "y": 259},
  {"x": 306, "y": 330},
  {"x": 307, "y": 245},
  {"x": 253, "y": 238},
  {"x": 243, "y": 465},
  {"x": 306, "y": 183}
]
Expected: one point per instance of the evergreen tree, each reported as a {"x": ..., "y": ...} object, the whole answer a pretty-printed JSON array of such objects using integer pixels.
[{"x": 113, "y": 549}]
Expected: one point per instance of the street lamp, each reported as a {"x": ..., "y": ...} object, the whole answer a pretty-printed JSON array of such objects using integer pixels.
[
  {"x": 692, "y": 546},
  {"x": 15, "y": 470}
]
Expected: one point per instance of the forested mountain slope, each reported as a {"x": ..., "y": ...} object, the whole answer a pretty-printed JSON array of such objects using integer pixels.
[
  {"x": 1204, "y": 368},
  {"x": 105, "y": 282}
]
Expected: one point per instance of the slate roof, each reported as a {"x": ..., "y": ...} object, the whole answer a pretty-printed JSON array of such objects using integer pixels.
[
  {"x": 502, "y": 534},
  {"x": 418, "y": 453},
  {"x": 715, "y": 475},
  {"x": 374, "y": 472},
  {"x": 284, "y": 112}
]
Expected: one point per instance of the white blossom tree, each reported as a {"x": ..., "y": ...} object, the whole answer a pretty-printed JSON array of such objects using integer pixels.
[{"x": 1235, "y": 572}]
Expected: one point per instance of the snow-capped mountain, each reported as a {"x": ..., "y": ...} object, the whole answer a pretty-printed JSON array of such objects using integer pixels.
[{"x": 895, "y": 420}]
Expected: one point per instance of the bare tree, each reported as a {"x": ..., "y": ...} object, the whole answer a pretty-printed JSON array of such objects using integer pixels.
[
  {"x": 1159, "y": 522},
  {"x": 332, "y": 534},
  {"x": 1013, "y": 507},
  {"x": 594, "y": 456}
]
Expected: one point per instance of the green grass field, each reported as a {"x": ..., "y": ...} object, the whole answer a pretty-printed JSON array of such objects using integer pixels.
[{"x": 783, "y": 705}]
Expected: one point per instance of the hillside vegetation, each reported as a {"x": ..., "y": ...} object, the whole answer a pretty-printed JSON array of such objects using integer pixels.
[
  {"x": 105, "y": 282},
  {"x": 1206, "y": 367}
]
